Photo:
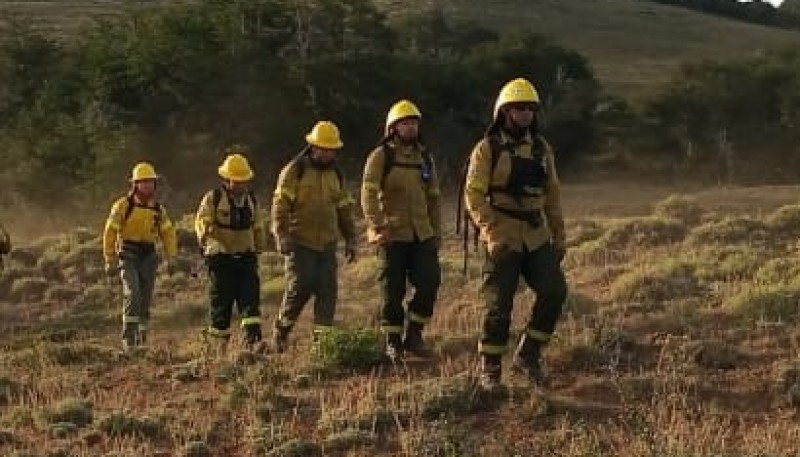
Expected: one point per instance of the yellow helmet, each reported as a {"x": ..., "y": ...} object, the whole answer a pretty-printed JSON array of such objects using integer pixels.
[
  {"x": 143, "y": 171},
  {"x": 515, "y": 91},
  {"x": 236, "y": 168},
  {"x": 401, "y": 110},
  {"x": 325, "y": 134}
]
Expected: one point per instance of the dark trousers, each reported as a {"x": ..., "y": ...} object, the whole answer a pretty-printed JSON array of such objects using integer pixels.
[
  {"x": 234, "y": 281},
  {"x": 415, "y": 262},
  {"x": 309, "y": 273},
  {"x": 542, "y": 272}
]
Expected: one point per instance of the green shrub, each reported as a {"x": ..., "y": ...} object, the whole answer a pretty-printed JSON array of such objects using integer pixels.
[
  {"x": 72, "y": 410},
  {"x": 584, "y": 230},
  {"x": 196, "y": 449},
  {"x": 784, "y": 222},
  {"x": 28, "y": 289},
  {"x": 730, "y": 230},
  {"x": 8, "y": 390},
  {"x": 80, "y": 354},
  {"x": 339, "y": 348},
  {"x": 656, "y": 283},
  {"x": 347, "y": 440},
  {"x": 122, "y": 424},
  {"x": 717, "y": 263},
  {"x": 62, "y": 293},
  {"x": 772, "y": 303},
  {"x": 297, "y": 447},
  {"x": 680, "y": 208},
  {"x": 779, "y": 271},
  {"x": 642, "y": 232}
]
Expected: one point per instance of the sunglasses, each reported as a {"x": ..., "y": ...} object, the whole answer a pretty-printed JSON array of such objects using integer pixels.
[{"x": 522, "y": 106}]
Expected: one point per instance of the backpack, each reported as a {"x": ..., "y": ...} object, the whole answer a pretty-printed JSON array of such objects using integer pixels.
[
  {"x": 463, "y": 219},
  {"x": 389, "y": 162},
  {"x": 216, "y": 197},
  {"x": 131, "y": 202}
]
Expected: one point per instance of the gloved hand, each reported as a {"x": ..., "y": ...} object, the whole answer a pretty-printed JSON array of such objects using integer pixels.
[
  {"x": 285, "y": 245},
  {"x": 111, "y": 268},
  {"x": 350, "y": 250}
]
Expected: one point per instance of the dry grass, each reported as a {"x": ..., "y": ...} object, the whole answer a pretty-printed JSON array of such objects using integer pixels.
[{"x": 667, "y": 346}]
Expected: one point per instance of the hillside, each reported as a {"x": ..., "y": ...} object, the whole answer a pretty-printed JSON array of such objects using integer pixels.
[
  {"x": 633, "y": 45},
  {"x": 679, "y": 338}
]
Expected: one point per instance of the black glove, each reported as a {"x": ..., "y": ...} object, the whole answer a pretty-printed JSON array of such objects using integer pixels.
[{"x": 350, "y": 250}]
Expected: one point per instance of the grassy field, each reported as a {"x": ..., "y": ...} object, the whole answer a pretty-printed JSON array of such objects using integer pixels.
[
  {"x": 633, "y": 45},
  {"x": 679, "y": 339}
]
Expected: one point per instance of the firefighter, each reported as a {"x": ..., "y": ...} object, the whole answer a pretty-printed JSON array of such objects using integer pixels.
[
  {"x": 311, "y": 207},
  {"x": 400, "y": 197},
  {"x": 137, "y": 221},
  {"x": 230, "y": 230},
  {"x": 512, "y": 194}
]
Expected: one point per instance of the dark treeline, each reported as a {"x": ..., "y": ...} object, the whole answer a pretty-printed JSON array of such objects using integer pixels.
[{"x": 176, "y": 85}]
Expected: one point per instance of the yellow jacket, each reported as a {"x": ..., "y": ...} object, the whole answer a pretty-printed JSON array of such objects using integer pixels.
[
  {"x": 144, "y": 222},
  {"x": 488, "y": 204},
  {"x": 311, "y": 210},
  {"x": 220, "y": 231},
  {"x": 401, "y": 202}
]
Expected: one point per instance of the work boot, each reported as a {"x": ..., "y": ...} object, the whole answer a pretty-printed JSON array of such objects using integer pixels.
[
  {"x": 491, "y": 370},
  {"x": 252, "y": 335},
  {"x": 394, "y": 347},
  {"x": 130, "y": 337},
  {"x": 413, "y": 341},
  {"x": 280, "y": 337},
  {"x": 526, "y": 360}
]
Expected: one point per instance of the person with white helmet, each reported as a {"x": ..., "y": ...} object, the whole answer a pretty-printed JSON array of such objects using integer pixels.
[
  {"x": 512, "y": 194},
  {"x": 137, "y": 221},
  {"x": 311, "y": 207}
]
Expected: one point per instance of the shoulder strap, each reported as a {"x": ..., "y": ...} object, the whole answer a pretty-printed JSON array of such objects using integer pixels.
[
  {"x": 388, "y": 162},
  {"x": 128, "y": 209},
  {"x": 495, "y": 149},
  {"x": 216, "y": 196},
  {"x": 131, "y": 205},
  {"x": 253, "y": 200}
]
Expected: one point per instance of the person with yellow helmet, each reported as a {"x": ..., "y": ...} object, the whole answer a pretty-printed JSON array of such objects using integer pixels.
[
  {"x": 512, "y": 194},
  {"x": 231, "y": 233},
  {"x": 137, "y": 221},
  {"x": 401, "y": 200},
  {"x": 5, "y": 245},
  {"x": 311, "y": 206}
]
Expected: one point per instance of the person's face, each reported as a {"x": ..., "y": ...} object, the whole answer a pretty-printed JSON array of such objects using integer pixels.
[
  {"x": 407, "y": 129},
  {"x": 145, "y": 187},
  {"x": 520, "y": 114},
  {"x": 238, "y": 187},
  {"x": 323, "y": 155}
]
